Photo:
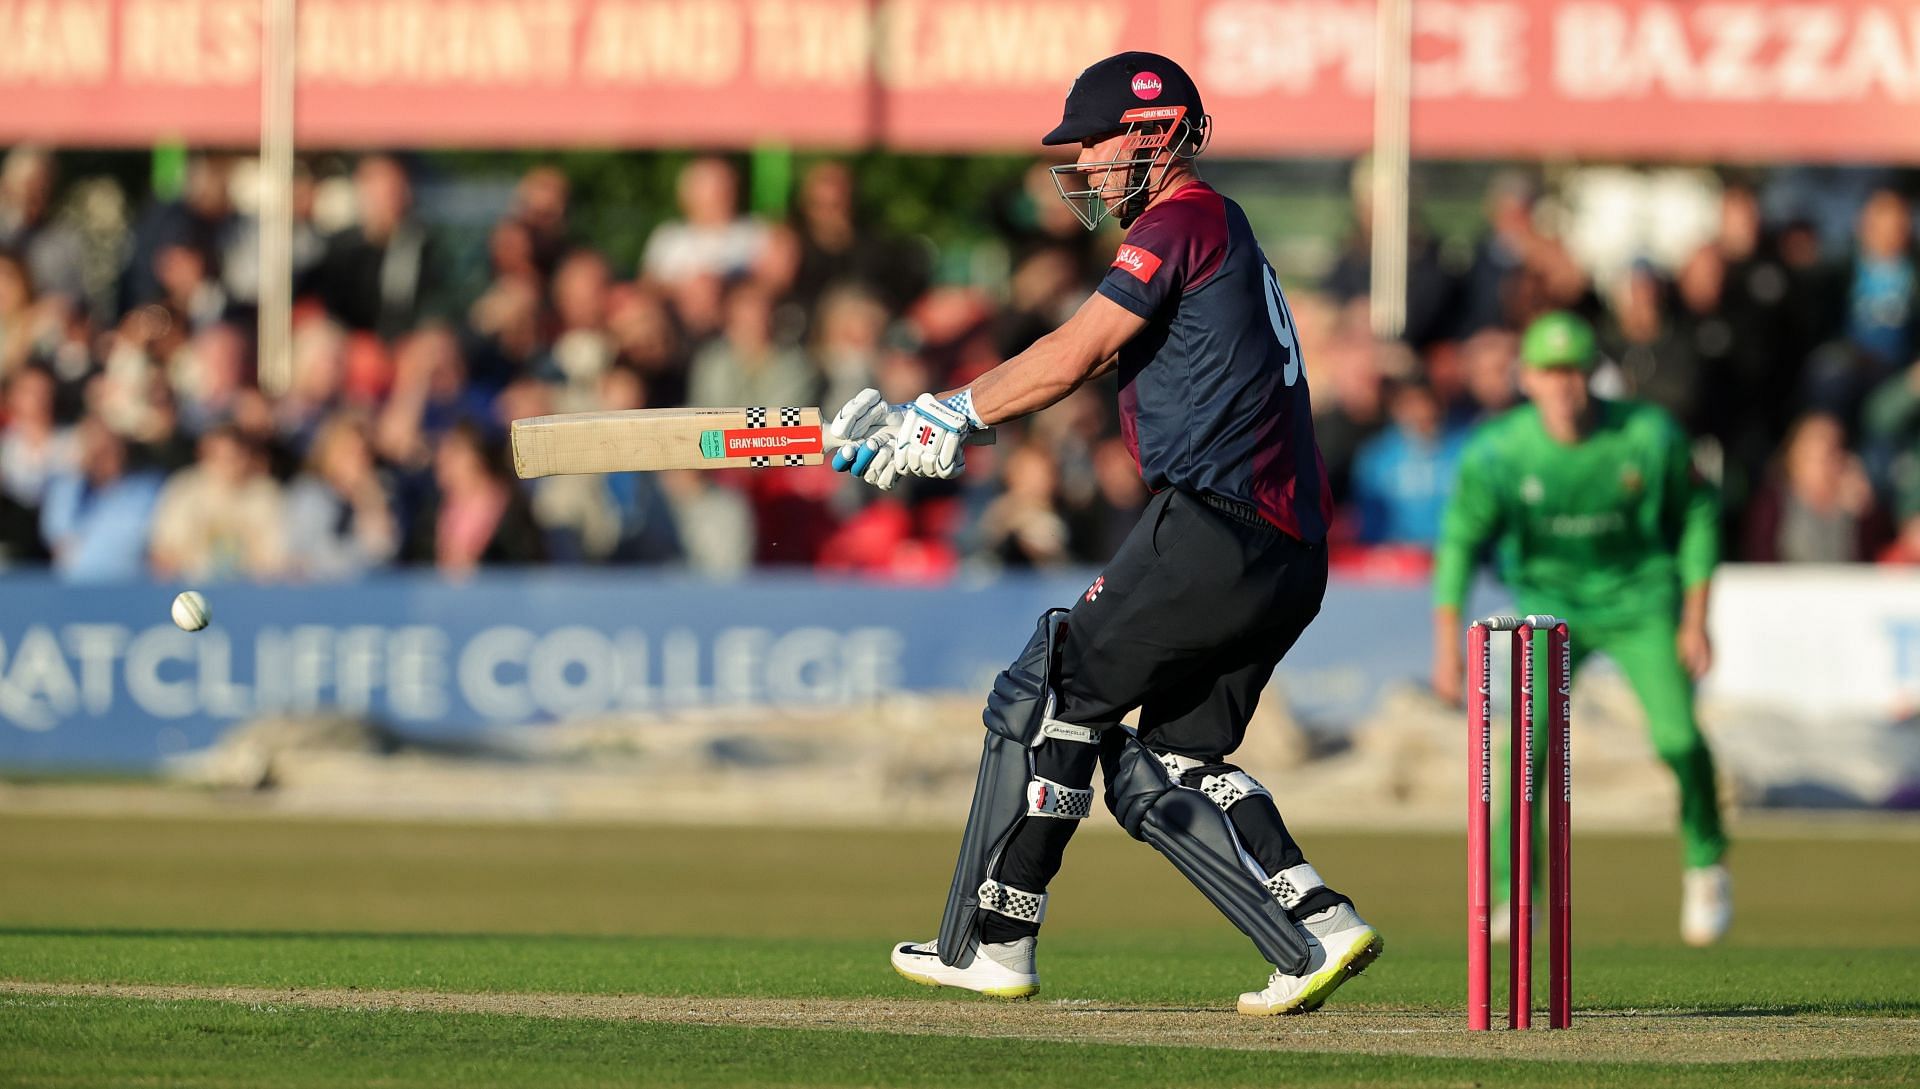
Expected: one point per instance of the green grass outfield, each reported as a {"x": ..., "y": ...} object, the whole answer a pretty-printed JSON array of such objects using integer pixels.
[{"x": 276, "y": 952}]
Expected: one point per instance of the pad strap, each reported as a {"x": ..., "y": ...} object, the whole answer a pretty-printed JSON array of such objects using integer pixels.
[
  {"x": 1224, "y": 790},
  {"x": 1291, "y": 885},
  {"x": 1230, "y": 789},
  {"x": 1013, "y": 903},
  {"x": 1046, "y": 798},
  {"x": 1176, "y": 764},
  {"x": 1067, "y": 731}
]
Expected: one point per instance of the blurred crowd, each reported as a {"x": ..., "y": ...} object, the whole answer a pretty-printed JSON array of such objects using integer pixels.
[{"x": 141, "y": 433}]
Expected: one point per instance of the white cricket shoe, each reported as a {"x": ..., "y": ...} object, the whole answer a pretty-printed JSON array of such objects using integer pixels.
[
  {"x": 1706, "y": 904},
  {"x": 1500, "y": 922},
  {"x": 1000, "y": 969},
  {"x": 1342, "y": 946}
]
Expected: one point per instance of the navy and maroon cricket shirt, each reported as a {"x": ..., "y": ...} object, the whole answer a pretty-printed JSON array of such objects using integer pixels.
[{"x": 1213, "y": 395}]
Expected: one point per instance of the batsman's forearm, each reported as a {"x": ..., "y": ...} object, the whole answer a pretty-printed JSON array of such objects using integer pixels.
[{"x": 1036, "y": 378}]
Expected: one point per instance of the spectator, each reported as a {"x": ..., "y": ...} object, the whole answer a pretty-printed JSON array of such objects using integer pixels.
[
  {"x": 838, "y": 248},
  {"x": 1402, "y": 476},
  {"x": 1518, "y": 270},
  {"x": 17, "y": 325},
  {"x": 646, "y": 339},
  {"x": 188, "y": 290},
  {"x": 1817, "y": 506},
  {"x": 745, "y": 366},
  {"x": 53, "y": 252},
  {"x": 33, "y": 451},
  {"x": 847, "y": 342},
  {"x": 1491, "y": 360},
  {"x": 33, "y": 447},
  {"x": 1123, "y": 496},
  {"x": 98, "y": 515},
  {"x": 1032, "y": 217},
  {"x": 1044, "y": 291},
  {"x": 608, "y": 517},
  {"x": 381, "y": 274},
  {"x": 511, "y": 252},
  {"x": 430, "y": 396},
  {"x": 1354, "y": 403},
  {"x": 540, "y": 205},
  {"x": 223, "y": 517},
  {"x": 200, "y": 220},
  {"x": 131, "y": 359},
  {"x": 1881, "y": 310},
  {"x": 712, "y": 238},
  {"x": 211, "y": 377},
  {"x": 475, "y": 517},
  {"x": 1892, "y": 434},
  {"x": 1756, "y": 378},
  {"x": 717, "y": 529},
  {"x": 1653, "y": 356},
  {"x": 777, "y": 269},
  {"x": 1432, "y": 303},
  {"x": 340, "y": 515},
  {"x": 504, "y": 340},
  {"x": 1023, "y": 528},
  {"x": 1070, "y": 430},
  {"x": 240, "y": 253},
  {"x": 1883, "y": 294},
  {"x": 582, "y": 349},
  {"x": 786, "y": 314},
  {"x": 314, "y": 392},
  {"x": 155, "y": 439}
]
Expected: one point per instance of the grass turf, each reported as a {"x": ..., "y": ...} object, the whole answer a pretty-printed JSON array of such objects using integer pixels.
[
  {"x": 794, "y": 914},
  {"x": 67, "y": 1042}
]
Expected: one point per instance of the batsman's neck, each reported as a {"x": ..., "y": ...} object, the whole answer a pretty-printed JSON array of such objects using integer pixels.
[{"x": 1179, "y": 173}]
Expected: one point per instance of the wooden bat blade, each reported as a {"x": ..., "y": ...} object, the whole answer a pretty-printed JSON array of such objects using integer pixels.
[{"x": 649, "y": 439}]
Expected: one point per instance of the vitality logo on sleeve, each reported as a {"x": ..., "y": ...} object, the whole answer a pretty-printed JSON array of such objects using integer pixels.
[{"x": 1140, "y": 264}]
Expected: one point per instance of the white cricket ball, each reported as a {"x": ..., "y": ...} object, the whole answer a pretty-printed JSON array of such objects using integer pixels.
[{"x": 190, "y": 611}]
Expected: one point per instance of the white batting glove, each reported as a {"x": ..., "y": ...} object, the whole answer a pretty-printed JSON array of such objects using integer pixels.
[
  {"x": 927, "y": 440},
  {"x": 864, "y": 416},
  {"x": 873, "y": 461}
]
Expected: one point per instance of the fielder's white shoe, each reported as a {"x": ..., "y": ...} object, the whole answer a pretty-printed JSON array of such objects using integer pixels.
[
  {"x": 1000, "y": 969},
  {"x": 1500, "y": 922},
  {"x": 1706, "y": 904},
  {"x": 1342, "y": 946}
]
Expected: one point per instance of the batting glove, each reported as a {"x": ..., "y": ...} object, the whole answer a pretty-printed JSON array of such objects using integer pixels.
[
  {"x": 863, "y": 417},
  {"x": 927, "y": 441},
  {"x": 873, "y": 461}
]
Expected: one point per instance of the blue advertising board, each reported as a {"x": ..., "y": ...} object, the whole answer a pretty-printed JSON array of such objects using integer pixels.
[{"x": 99, "y": 676}]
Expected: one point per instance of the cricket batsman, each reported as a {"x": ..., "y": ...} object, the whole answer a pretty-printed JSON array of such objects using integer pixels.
[
  {"x": 1595, "y": 514},
  {"x": 1225, "y": 569}
]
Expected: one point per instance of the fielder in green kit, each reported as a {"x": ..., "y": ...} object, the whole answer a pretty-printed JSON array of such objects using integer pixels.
[{"x": 1593, "y": 513}]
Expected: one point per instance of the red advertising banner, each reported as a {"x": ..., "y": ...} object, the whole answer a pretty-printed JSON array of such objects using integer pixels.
[{"x": 1686, "y": 79}]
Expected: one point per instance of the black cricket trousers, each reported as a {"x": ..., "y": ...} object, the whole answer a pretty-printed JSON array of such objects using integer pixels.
[{"x": 1186, "y": 623}]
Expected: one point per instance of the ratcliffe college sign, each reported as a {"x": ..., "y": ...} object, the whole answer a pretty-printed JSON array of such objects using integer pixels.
[{"x": 1746, "y": 79}]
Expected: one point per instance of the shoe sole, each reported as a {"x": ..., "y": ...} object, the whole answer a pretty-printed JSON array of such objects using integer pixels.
[
  {"x": 1331, "y": 979},
  {"x": 1020, "y": 990}
]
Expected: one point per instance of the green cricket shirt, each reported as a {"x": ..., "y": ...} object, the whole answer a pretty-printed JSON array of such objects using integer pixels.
[{"x": 1605, "y": 532}]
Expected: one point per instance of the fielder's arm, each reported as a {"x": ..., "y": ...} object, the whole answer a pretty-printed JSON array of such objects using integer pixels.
[
  {"x": 1084, "y": 348},
  {"x": 1472, "y": 519},
  {"x": 1693, "y": 515}
]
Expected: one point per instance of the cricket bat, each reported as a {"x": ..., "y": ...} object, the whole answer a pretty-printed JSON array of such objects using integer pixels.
[{"x": 643, "y": 439}]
